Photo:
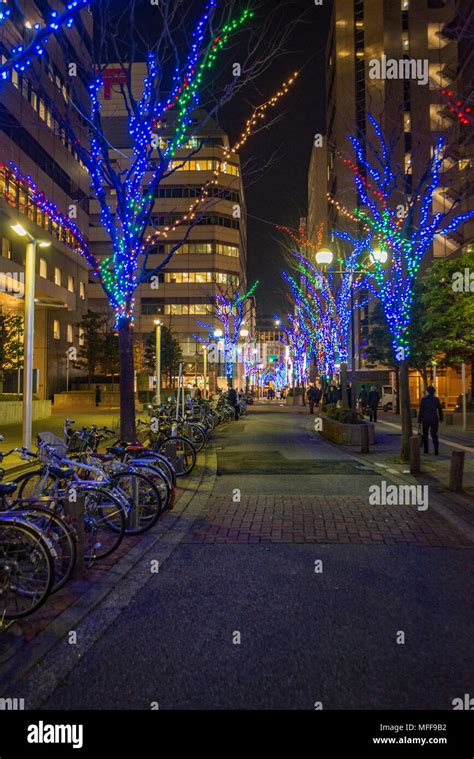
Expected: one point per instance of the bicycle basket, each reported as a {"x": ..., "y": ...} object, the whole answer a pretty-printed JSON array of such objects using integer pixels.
[
  {"x": 50, "y": 439},
  {"x": 78, "y": 442}
]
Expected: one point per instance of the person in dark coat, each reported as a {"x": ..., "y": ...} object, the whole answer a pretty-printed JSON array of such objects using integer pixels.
[
  {"x": 98, "y": 395},
  {"x": 363, "y": 396},
  {"x": 373, "y": 403},
  {"x": 233, "y": 401},
  {"x": 313, "y": 397},
  {"x": 429, "y": 416}
]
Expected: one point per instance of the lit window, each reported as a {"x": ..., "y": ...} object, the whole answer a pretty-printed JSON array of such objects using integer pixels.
[
  {"x": 407, "y": 121},
  {"x": 6, "y": 248},
  {"x": 405, "y": 41},
  {"x": 405, "y": 5},
  {"x": 82, "y": 290},
  {"x": 43, "y": 268},
  {"x": 70, "y": 283},
  {"x": 56, "y": 329},
  {"x": 81, "y": 337},
  {"x": 70, "y": 333},
  {"x": 57, "y": 276},
  {"x": 407, "y": 163}
]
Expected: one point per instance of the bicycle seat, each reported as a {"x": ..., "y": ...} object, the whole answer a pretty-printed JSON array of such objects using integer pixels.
[
  {"x": 7, "y": 488},
  {"x": 64, "y": 473},
  {"x": 103, "y": 456},
  {"x": 116, "y": 450}
]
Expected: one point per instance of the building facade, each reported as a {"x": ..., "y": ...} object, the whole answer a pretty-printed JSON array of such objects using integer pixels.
[
  {"x": 31, "y": 139},
  {"x": 428, "y": 39}
]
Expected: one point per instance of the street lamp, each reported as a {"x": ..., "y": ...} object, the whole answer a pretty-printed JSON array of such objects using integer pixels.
[
  {"x": 379, "y": 255},
  {"x": 324, "y": 257},
  {"x": 158, "y": 326},
  {"x": 29, "y": 328}
]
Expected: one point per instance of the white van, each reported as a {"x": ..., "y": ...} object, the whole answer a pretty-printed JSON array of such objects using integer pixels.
[{"x": 388, "y": 399}]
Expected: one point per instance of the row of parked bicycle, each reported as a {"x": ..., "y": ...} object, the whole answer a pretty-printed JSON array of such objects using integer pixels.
[{"x": 120, "y": 492}]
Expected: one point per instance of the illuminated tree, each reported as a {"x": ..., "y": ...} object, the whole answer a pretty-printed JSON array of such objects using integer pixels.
[
  {"x": 183, "y": 70},
  {"x": 404, "y": 224},
  {"x": 230, "y": 312}
]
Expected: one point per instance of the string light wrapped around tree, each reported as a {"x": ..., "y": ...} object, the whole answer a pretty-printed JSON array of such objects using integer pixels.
[{"x": 230, "y": 312}]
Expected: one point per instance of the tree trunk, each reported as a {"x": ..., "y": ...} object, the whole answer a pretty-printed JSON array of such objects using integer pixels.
[
  {"x": 128, "y": 432},
  {"x": 396, "y": 405},
  {"x": 405, "y": 410}
]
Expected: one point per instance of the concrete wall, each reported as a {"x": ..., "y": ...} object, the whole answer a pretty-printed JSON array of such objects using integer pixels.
[{"x": 11, "y": 412}]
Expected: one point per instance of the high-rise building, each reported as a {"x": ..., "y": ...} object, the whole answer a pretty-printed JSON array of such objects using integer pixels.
[
  {"x": 32, "y": 139},
  {"x": 425, "y": 41},
  {"x": 213, "y": 257}
]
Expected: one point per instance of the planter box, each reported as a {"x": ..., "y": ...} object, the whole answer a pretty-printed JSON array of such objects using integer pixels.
[
  {"x": 345, "y": 434},
  {"x": 290, "y": 400},
  {"x": 11, "y": 412}
]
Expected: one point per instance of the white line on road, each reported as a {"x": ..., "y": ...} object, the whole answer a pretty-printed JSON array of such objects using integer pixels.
[{"x": 442, "y": 439}]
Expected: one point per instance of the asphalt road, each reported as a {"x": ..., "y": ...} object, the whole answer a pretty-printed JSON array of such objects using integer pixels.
[{"x": 230, "y": 626}]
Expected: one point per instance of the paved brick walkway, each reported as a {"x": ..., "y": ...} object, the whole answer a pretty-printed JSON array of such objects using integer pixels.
[{"x": 319, "y": 519}]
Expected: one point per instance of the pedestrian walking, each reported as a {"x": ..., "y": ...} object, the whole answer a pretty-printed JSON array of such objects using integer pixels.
[
  {"x": 312, "y": 398},
  {"x": 233, "y": 401},
  {"x": 429, "y": 416},
  {"x": 373, "y": 403},
  {"x": 363, "y": 398},
  {"x": 98, "y": 395}
]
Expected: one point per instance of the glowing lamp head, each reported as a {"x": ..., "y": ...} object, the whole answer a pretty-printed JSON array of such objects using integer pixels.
[
  {"x": 218, "y": 333},
  {"x": 379, "y": 255},
  {"x": 324, "y": 257},
  {"x": 157, "y": 322},
  {"x": 244, "y": 333},
  {"x": 44, "y": 244},
  {"x": 20, "y": 231}
]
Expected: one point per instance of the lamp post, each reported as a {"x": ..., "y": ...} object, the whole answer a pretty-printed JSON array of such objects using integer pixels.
[
  {"x": 243, "y": 334},
  {"x": 218, "y": 334},
  {"x": 29, "y": 328},
  {"x": 158, "y": 325}
]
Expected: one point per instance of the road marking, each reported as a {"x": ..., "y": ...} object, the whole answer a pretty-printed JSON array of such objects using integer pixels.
[{"x": 467, "y": 448}]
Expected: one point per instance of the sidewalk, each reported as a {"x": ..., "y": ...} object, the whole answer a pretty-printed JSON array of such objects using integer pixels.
[{"x": 457, "y": 507}]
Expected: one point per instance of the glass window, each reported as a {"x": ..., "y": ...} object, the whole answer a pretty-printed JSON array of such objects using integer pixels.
[
  {"x": 57, "y": 276},
  {"x": 56, "y": 329},
  {"x": 82, "y": 290},
  {"x": 6, "y": 248},
  {"x": 70, "y": 283},
  {"x": 70, "y": 333},
  {"x": 81, "y": 336},
  {"x": 43, "y": 268}
]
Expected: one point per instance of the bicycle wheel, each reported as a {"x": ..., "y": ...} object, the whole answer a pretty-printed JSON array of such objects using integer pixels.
[
  {"x": 162, "y": 462},
  {"x": 104, "y": 522},
  {"x": 26, "y": 568},
  {"x": 181, "y": 453},
  {"x": 158, "y": 477},
  {"x": 60, "y": 537},
  {"x": 197, "y": 436},
  {"x": 143, "y": 499},
  {"x": 34, "y": 484}
]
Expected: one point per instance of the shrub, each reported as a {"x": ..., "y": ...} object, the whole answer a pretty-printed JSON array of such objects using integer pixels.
[{"x": 343, "y": 415}]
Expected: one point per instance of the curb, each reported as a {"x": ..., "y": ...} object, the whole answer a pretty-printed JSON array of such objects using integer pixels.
[{"x": 50, "y": 655}]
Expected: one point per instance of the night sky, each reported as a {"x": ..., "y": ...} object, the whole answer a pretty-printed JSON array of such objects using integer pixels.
[{"x": 280, "y": 195}]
